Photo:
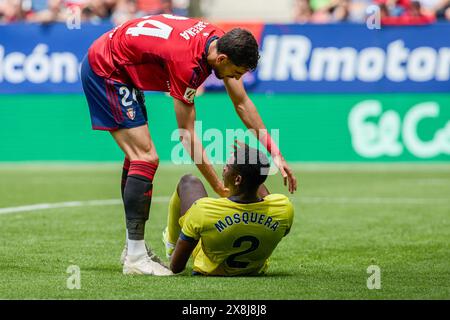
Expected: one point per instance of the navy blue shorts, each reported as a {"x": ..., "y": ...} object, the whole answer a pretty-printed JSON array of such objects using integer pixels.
[{"x": 112, "y": 105}]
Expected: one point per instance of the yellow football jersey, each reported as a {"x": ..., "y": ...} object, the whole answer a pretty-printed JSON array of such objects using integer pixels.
[{"x": 235, "y": 238}]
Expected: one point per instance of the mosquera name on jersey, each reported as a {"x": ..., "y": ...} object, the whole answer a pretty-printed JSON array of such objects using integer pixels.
[
  {"x": 235, "y": 238},
  {"x": 156, "y": 53},
  {"x": 246, "y": 218}
]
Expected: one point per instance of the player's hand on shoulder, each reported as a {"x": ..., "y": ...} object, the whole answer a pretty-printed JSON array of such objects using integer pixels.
[{"x": 221, "y": 190}]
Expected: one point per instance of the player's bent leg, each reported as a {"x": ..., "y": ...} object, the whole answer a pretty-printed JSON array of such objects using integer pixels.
[
  {"x": 188, "y": 190},
  {"x": 137, "y": 194}
]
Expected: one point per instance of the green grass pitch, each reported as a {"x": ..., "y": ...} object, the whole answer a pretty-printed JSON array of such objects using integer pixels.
[{"x": 346, "y": 218}]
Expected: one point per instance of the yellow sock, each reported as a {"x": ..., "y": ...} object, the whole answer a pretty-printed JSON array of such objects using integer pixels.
[{"x": 173, "y": 227}]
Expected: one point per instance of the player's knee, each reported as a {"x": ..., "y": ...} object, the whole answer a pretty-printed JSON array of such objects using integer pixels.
[
  {"x": 153, "y": 159},
  {"x": 149, "y": 157},
  {"x": 188, "y": 180}
]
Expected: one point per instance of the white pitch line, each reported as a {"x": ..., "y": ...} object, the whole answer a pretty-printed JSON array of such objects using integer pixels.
[
  {"x": 71, "y": 204},
  {"x": 165, "y": 199},
  {"x": 373, "y": 200}
]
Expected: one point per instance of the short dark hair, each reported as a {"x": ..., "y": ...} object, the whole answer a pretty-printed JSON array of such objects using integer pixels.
[
  {"x": 241, "y": 48},
  {"x": 252, "y": 165}
]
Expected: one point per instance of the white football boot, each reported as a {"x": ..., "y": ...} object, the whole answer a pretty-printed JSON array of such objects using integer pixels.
[
  {"x": 152, "y": 256},
  {"x": 144, "y": 265}
]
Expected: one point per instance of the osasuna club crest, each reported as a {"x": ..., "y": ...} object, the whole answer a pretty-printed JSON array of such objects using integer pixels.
[{"x": 131, "y": 113}]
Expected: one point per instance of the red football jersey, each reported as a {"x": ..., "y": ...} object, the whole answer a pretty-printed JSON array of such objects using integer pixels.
[{"x": 156, "y": 53}]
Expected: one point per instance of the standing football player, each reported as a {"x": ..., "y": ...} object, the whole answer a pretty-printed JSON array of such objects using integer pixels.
[{"x": 172, "y": 54}]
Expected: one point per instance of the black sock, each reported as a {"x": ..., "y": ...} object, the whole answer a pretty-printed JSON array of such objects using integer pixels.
[{"x": 137, "y": 197}]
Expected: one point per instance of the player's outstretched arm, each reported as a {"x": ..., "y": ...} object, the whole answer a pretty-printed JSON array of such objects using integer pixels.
[
  {"x": 249, "y": 115},
  {"x": 186, "y": 118}
]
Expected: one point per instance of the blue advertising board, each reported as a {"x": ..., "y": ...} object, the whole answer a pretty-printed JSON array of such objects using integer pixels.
[
  {"x": 350, "y": 58},
  {"x": 44, "y": 58},
  {"x": 338, "y": 58}
]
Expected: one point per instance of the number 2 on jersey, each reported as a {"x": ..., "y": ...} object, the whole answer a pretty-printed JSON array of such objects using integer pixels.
[
  {"x": 159, "y": 29},
  {"x": 231, "y": 262}
]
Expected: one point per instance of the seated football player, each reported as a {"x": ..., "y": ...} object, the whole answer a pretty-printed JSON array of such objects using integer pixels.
[{"x": 227, "y": 236}]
